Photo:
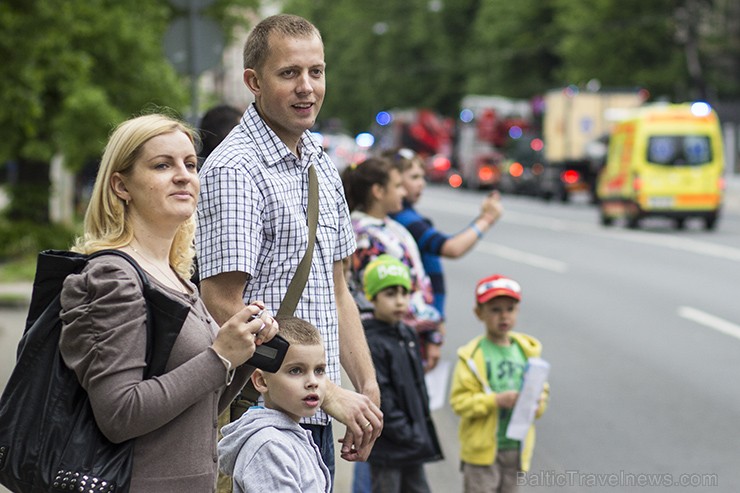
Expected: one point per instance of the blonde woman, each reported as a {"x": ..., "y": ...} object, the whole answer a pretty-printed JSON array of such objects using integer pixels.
[{"x": 143, "y": 203}]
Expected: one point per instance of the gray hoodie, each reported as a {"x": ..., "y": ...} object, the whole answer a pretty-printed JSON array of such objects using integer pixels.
[{"x": 266, "y": 451}]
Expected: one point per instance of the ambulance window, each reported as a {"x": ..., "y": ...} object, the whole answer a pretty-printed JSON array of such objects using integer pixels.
[
  {"x": 697, "y": 149},
  {"x": 679, "y": 150}
]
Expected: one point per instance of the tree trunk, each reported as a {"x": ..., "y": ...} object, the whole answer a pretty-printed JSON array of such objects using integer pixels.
[{"x": 29, "y": 194}]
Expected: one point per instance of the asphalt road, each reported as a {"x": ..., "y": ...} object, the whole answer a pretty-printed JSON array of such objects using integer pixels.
[{"x": 642, "y": 329}]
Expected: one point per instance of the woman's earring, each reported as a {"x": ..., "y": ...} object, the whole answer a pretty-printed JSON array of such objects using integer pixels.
[{"x": 127, "y": 201}]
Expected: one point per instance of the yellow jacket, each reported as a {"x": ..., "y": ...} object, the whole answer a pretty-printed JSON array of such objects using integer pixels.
[{"x": 474, "y": 401}]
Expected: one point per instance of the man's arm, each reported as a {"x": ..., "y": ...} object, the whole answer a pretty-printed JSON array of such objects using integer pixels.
[
  {"x": 354, "y": 409},
  {"x": 222, "y": 294},
  {"x": 354, "y": 352}
]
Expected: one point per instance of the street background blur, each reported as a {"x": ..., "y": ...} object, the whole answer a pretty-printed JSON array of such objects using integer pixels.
[
  {"x": 640, "y": 328},
  {"x": 638, "y": 322}
]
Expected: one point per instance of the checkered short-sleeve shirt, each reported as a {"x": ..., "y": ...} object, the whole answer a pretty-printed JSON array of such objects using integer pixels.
[{"x": 252, "y": 218}]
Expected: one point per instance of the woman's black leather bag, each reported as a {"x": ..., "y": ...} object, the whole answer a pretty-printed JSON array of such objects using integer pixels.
[{"x": 49, "y": 440}]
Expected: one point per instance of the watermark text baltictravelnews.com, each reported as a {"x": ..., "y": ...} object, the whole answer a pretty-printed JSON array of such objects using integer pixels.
[{"x": 615, "y": 480}]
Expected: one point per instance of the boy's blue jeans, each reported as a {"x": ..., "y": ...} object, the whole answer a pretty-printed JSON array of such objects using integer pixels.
[
  {"x": 323, "y": 437},
  {"x": 361, "y": 479}
]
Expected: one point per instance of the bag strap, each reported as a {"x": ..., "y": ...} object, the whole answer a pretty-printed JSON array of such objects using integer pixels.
[
  {"x": 142, "y": 275},
  {"x": 249, "y": 395},
  {"x": 170, "y": 315},
  {"x": 298, "y": 283}
]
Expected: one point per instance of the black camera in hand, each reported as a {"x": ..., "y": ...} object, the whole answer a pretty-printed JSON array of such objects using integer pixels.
[{"x": 270, "y": 355}]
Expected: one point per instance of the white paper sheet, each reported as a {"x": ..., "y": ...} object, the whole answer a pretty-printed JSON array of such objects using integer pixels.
[
  {"x": 437, "y": 380},
  {"x": 525, "y": 408}
]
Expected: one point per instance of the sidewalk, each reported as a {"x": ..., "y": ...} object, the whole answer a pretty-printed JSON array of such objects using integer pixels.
[
  {"x": 732, "y": 194},
  {"x": 15, "y": 294}
]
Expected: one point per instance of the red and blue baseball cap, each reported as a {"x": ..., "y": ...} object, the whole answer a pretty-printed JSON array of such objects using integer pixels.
[{"x": 495, "y": 286}]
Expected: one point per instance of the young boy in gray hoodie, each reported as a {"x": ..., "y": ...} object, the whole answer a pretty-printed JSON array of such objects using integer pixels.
[{"x": 266, "y": 450}]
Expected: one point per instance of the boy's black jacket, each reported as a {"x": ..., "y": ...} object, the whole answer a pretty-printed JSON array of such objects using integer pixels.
[{"x": 408, "y": 436}]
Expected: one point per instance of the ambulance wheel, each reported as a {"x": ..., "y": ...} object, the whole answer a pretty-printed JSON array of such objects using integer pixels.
[
  {"x": 606, "y": 220},
  {"x": 710, "y": 222},
  {"x": 680, "y": 223},
  {"x": 633, "y": 221}
]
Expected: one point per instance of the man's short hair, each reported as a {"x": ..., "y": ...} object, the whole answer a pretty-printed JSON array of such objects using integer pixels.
[
  {"x": 257, "y": 46},
  {"x": 298, "y": 331}
]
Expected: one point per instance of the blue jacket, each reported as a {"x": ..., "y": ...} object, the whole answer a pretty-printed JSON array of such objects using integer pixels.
[{"x": 429, "y": 241}]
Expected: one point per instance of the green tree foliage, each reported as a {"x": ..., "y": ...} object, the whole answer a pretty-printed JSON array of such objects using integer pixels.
[
  {"x": 709, "y": 32},
  {"x": 417, "y": 53},
  {"x": 73, "y": 68},
  {"x": 620, "y": 43},
  {"x": 511, "y": 50},
  {"x": 380, "y": 55},
  {"x": 71, "y": 71}
]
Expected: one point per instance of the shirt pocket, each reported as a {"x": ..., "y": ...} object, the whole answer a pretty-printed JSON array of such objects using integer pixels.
[{"x": 327, "y": 229}]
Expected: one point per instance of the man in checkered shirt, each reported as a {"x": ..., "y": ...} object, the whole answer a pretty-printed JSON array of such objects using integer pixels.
[{"x": 252, "y": 230}]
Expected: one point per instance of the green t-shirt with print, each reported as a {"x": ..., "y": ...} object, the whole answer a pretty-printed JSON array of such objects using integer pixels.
[{"x": 505, "y": 367}]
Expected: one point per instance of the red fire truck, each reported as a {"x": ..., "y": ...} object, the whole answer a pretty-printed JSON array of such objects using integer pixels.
[
  {"x": 485, "y": 125},
  {"x": 421, "y": 130}
]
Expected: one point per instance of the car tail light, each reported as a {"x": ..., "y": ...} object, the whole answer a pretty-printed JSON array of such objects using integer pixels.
[
  {"x": 455, "y": 180},
  {"x": 636, "y": 183},
  {"x": 516, "y": 169},
  {"x": 440, "y": 163},
  {"x": 486, "y": 174},
  {"x": 721, "y": 183},
  {"x": 537, "y": 145},
  {"x": 570, "y": 176}
]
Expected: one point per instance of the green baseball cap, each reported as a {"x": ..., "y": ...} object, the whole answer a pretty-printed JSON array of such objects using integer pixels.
[{"x": 383, "y": 272}]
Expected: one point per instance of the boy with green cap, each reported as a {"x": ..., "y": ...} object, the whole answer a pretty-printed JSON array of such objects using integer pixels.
[{"x": 409, "y": 438}]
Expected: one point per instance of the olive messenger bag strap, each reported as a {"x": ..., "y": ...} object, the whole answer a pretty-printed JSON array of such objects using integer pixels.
[{"x": 249, "y": 395}]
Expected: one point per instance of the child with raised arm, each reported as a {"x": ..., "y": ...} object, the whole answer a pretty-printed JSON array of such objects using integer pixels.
[
  {"x": 485, "y": 388},
  {"x": 266, "y": 450},
  {"x": 434, "y": 244}
]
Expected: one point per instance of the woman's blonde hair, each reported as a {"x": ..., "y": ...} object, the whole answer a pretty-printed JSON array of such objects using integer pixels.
[{"x": 106, "y": 218}]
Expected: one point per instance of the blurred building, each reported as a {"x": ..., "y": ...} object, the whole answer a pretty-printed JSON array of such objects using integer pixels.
[{"x": 224, "y": 83}]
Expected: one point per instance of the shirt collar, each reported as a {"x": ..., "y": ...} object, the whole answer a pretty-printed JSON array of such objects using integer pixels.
[
  {"x": 367, "y": 219},
  {"x": 277, "y": 151}
]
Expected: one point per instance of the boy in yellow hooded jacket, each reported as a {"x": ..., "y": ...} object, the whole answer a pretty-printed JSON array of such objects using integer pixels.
[{"x": 485, "y": 386}]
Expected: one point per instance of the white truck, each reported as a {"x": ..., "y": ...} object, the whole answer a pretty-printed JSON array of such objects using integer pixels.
[{"x": 575, "y": 128}]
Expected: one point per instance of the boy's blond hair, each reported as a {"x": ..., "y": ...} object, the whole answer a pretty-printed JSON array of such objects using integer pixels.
[{"x": 298, "y": 331}]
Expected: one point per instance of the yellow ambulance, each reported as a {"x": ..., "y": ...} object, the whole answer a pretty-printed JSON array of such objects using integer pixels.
[{"x": 664, "y": 160}]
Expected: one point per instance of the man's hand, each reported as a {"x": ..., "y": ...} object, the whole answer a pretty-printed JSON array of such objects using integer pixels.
[
  {"x": 361, "y": 416},
  {"x": 433, "y": 353},
  {"x": 350, "y": 452}
]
